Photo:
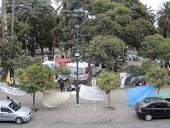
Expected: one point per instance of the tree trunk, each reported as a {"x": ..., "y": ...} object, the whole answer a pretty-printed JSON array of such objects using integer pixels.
[
  {"x": 167, "y": 33},
  {"x": 51, "y": 51},
  {"x": 12, "y": 21},
  {"x": 158, "y": 90},
  {"x": 4, "y": 19},
  {"x": 109, "y": 99},
  {"x": 42, "y": 52},
  {"x": 32, "y": 52},
  {"x": 33, "y": 106}
]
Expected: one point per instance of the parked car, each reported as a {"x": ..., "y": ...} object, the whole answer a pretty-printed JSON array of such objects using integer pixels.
[
  {"x": 153, "y": 107},
  {"x": 10, "y": 110}
]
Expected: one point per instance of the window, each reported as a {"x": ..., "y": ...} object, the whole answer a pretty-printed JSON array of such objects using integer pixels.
[
  {"x": 4, "y": 109},
  {"x": 151, "y": 106},
  {"x": 164, "y": 105},
  {"x": 157, "y": 105}
]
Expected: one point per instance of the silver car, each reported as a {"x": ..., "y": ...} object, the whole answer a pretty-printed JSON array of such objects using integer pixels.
[{"x": 10, "y": 110}]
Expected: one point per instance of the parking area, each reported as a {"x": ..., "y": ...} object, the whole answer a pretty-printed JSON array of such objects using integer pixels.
[{"x": 87, "y": 115}]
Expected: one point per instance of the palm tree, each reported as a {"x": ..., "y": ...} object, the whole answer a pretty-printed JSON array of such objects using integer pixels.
[
  {"x": 150, "y": 14},
  {"x": 163, "y": 18}
]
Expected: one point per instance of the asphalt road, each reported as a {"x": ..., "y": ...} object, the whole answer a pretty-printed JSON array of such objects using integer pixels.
[{"x": 69, "y": 116}]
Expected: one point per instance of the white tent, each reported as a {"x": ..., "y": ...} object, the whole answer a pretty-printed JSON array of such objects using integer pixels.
[
  {"x": 51, "y": 64},
  {"x": 80, "y": 64},
  {"x": 82, "y": 68}
]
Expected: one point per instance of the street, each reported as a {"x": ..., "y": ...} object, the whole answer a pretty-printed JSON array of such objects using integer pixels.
[{"x": 69, "y": 116}]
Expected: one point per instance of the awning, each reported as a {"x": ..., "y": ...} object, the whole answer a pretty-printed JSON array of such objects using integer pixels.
[{"x": 65, "y": 60}]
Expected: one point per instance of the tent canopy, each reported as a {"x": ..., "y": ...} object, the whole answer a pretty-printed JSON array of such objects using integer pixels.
[
  {"x": 65, "y": 60},
  {"x": 51, "y": 64},
  {"x": 80, "y": 64}
]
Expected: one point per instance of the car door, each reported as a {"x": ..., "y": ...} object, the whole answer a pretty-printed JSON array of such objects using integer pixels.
[
  {"x": 158, "y": 111},
  {"x": 166, "y": 108},
  {"x": 6, "y": 114}
]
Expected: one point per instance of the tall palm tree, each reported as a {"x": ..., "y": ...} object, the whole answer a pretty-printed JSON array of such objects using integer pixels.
[
  {"x": 150, "y": 14},
  {"x": 163, "y": 18}
]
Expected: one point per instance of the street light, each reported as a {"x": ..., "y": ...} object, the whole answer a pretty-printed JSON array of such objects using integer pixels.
[{"x": 77, "y": 57}]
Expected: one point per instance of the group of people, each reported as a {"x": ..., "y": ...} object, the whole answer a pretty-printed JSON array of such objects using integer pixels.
[{"x": 141, "y": 83}]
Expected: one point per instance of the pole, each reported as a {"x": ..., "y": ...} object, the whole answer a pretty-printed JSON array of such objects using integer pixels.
[{"x": 77, "y": 85}]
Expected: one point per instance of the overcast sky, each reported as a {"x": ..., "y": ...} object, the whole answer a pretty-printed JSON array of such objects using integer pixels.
[{"x": 153, "y": 3}]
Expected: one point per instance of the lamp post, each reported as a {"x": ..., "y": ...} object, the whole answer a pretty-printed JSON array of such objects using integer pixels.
[{"x": 77, "y": 57}]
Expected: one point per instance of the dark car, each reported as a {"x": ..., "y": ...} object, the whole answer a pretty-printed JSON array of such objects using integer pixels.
[{"x": 153, "y": 107}]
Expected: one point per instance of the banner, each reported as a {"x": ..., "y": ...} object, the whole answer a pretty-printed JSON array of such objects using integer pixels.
[
  {"x": 8, "y": 80},
  {"x": 123, "y": 78},
  {"x": 91, "y": 93},
  {"x": 11, "y": 90},
  {"x": 139, "y": 93}
]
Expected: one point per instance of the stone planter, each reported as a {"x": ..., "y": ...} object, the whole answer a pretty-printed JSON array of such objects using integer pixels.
[{"x": 54, "y": 98}]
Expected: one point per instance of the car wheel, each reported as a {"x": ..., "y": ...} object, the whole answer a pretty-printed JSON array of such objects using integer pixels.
[
  {"x": 148, "y": 117},
  {"x": 18, "y": 120}
]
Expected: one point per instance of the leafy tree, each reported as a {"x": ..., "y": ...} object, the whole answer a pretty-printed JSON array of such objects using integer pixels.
[
  {"x": 107, "y": 47},
  {"x": 41, "y": 17},
  {"x": 62, "y": 70},
  {"x": 150, "y": 45},
  {"x": 163, "y": 18},
  {"x": 108, "y": 81},
  {"x": 150, "y": 15},
  {"x": 144, "y": 68},
  {"x": 12, "y": 54},
  {"x": 157, "y": 76},
  {"x": 163, "y": 50},
  {"x": 136, "y": 30},
  {"x": 35, "y": 78}
]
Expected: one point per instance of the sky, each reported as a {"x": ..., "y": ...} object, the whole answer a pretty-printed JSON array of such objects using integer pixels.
[{"x": 154, "y": 4}]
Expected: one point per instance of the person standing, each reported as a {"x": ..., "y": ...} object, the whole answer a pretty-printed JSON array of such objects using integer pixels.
[{"x": 61, "y": 82}]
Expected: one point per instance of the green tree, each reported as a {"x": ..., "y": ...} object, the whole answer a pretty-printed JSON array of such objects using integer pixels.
[
  {"x": 12, "y": 53},
  {"x": 41, "y": 17},
  {"x": 35, "y": 78},
  {"x": 163, "y": 18},
  {"x": 62, "y": 70},
  {"x": 108, "y": 47},
  {"x": 136, "y": 30},
  {"x": 108, "y": 81},
  {"x": 150, "y": 45},
  {"x": 163, "y": 50},
  {"x": 157, "y": 76}
]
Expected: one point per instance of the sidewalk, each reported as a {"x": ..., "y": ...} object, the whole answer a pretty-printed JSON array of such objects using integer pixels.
[{"x": 69, "y": 116}]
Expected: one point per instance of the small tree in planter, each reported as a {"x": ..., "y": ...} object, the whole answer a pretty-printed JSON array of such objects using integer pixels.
[
  {"x": 35, "y": 78},
  {"x": 108, "y": 81},
  {"x": 157, "y": 76}
]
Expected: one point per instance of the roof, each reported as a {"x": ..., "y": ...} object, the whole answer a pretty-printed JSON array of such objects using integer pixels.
[
  {"x": 4, "y": 102},
  {"x": 149, "y": 100},
  {"x": 80, "y": 64},
  {"x": 64, "y": 60}
]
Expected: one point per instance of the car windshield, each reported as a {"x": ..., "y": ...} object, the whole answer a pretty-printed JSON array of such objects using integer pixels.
[{"x": 15, "y": 106}]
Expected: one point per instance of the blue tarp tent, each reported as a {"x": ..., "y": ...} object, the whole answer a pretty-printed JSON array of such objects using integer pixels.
[{"x": 138, "y": 93}]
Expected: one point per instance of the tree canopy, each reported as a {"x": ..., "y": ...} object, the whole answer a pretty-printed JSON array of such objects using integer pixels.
[
  {"x": 108, "y": 81},
  {"x": 35, "y": 78}
]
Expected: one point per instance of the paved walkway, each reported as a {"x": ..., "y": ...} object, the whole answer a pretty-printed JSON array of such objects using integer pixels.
[{"x": 69, "y": 116}]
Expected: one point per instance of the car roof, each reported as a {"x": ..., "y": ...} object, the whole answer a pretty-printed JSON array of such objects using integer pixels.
[
  {"x": 154, "y": 99},
  {"x": 149, "y": 100},
  {"x": 4, "y": 102}
]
